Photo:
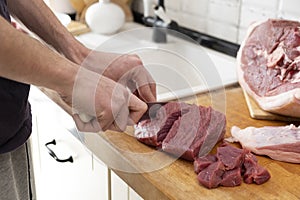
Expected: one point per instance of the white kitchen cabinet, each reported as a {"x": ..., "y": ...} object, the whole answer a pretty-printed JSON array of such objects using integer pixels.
[
  {"x": 84, "y": 178},
  {"x": 120, "y": 190},
  {"x": 133, "y": 195}
]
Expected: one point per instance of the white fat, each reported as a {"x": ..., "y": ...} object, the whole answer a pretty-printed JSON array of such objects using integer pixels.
[
  {"x": 266, "y": 136},
  {"x": 297, "y": 95}
]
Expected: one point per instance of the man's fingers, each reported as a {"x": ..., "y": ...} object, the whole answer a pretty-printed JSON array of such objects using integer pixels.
[
  {"x": 136, "y": 109},
  {"x": 147, "y": 92},
  {"x": 91, "y": 126},
  {"x": 121, "y": 119}
]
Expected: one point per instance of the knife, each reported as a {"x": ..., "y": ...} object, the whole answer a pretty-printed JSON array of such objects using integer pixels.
[{"x": 153, "y": 107}]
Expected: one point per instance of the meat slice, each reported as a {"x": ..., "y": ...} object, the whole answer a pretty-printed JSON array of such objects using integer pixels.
[
  {"x": 280, "y": 143},
  {"x": 182, "y": 134},
  {"x": 211, "y": 176},
  {"x": 189, "y": 132},
  {"x": 153, "y": 131},
  {"x": 269, "y": 66},
  {"x": 180, "y": 129},
  {"x": 254, "y": 173}
]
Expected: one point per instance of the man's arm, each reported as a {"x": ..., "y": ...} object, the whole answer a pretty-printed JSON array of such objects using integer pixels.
[
  {"x": 26, "y": 60},
  {"x": 37, "y": 17}
]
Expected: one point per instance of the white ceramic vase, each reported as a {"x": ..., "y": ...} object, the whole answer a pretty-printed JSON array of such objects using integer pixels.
[{"x": 104, "y": 17}]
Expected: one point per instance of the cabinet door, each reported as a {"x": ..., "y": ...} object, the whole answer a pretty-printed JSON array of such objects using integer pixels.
[
  {"x": 121, "y": 191},
  {"x": 77, "y": 180}
]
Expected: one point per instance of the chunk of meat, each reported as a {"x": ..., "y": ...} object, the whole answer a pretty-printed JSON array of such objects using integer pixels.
[
  {"x": 232, "y": 177},
  {"x": 269, "y": 65},
  {"x": 229, "y": 167},
  {"x": 211, "y": 176},
  {"x": 254, "y": 172},
  {"x": 230, "y": 156},
  {"x": 201, "y": 163},
  {"x": 280, "y": 143}
]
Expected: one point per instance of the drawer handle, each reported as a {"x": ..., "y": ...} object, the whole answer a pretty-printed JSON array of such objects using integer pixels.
[{"x": 51, "y": 152}]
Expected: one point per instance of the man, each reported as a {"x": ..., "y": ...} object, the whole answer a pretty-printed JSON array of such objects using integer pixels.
[{"x": 97, "y": 89}]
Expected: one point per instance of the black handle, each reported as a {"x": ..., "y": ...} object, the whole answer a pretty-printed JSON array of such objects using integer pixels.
[{"x": 51, "y": 152}]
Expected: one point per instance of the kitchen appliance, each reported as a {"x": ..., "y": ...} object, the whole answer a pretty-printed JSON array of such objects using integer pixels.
[{"x": 105, "y": 17}]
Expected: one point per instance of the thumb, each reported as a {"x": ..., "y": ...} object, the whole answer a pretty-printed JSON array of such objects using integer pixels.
[{"x": 136, "y": 109}]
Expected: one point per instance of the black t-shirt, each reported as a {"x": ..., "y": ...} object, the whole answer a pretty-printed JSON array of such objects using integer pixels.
[{"x": 15, "y": 114}]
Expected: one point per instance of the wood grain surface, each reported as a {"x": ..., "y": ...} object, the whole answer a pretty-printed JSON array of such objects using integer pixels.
[
  {"x": 257, "y": 113},
  {"x": 178, "y": 180}
]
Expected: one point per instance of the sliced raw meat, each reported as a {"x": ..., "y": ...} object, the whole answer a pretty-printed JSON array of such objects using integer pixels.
[
  {"x": 180, "y": 129},
  {"x": 254, "y": 172},
  {"x": 269, "y": 66},
  {"x": 184, "y": 132},
  {"x": 211, "y": 176},
  {"x": 280, "y": 143},
  {"x": 203, "y": 162},
  {"x": 188, "y": 133},
  {"x": 153, "y": 131}
]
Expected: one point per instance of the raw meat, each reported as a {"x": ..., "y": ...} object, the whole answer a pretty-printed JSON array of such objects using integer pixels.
[
  {"x": 211, "y": 177},
  {"x": 201, "y": 163},
  {"x": 153, "y": 131},
  {"x": 189, "y": 132},
  {"x": 183, "y": 130},
  {"x": 269, "y": 66},
  {"x": 232, "y": 178},
  {"x": 280, "y": 143},
  {"x": 229, "y": 167},
  {"x": 254, "y": 172},
  {"x": 182, "y": 134},
  {"x": 230, "y": 156}
]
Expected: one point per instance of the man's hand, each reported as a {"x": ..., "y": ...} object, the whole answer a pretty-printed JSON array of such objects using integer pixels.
[
  {"x": 127, "y": 70},
  {"x": 112, "y": 105}
]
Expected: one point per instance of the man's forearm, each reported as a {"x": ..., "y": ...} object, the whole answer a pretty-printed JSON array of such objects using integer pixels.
[
  {"x": 36, "y": 16},
  {"x": 25, "y": 59}
]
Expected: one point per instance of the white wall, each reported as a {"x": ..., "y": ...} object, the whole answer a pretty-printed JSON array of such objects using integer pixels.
[{"x": 228, "y": 19}]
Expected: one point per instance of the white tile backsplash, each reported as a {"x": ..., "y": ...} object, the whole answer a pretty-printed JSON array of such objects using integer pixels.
[
  {"x": 196, "y": 22},
  {"x": 289, "y": 6},
  {"x": 174, "y": 4},
  {"x": 265, "y": 4},
  {"x": 229, "y": 19},
  {"x": 224, "y": 11},
  {"x": 249, "y": 15},
  {"x": 195, "y": 7},
  {"x": 289, "y": 9},
  {"x": 222, "y": 30}
]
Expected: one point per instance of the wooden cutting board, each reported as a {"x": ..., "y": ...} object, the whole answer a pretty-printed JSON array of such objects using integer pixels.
[{"x": 257, "y": 113}]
